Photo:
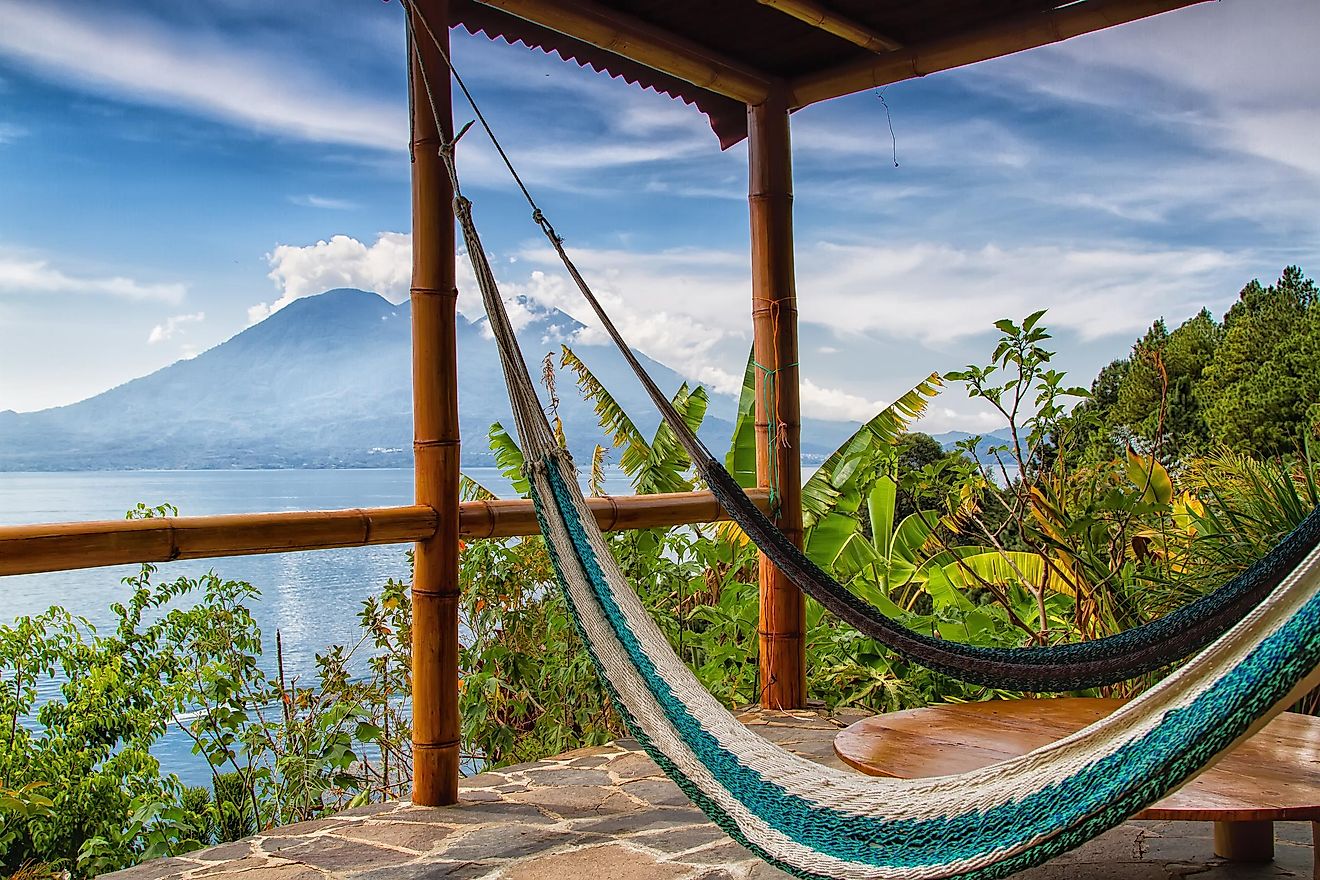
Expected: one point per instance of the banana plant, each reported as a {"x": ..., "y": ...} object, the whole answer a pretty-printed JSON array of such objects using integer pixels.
[
  {"x": 833, "y": 494},
  {"x": 660, "y": 465},
  {"x": 895, "y": 553}
]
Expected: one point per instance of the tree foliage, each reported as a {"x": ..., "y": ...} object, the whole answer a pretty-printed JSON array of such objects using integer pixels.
[{"x": 1249, "y": 382}]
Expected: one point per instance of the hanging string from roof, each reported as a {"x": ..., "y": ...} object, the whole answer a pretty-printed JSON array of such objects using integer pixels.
[
  {"x": 1064, "y": 667},
  {"x": 817, "y": 821}
]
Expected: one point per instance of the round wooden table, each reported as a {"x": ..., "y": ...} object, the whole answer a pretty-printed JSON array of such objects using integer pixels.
[{"x": 1274, "y": 776}]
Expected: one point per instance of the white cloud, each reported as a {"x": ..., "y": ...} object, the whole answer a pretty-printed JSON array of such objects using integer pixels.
[
  {"x": 385, "y": 267},
  {"x": 978, "y": 143},
  {"x": 172, "y": 326},
  {"x": 833, "y": 403},
  {"x": 940, "y": 418},
  {"x": 329, "y": 204},
  {"x": 28, "y": 277},
  {"x": 675, "y": 305},
  {"x": 938, "y": 293},
  {"x": 278, "y": 89},
  {"x": 689, "y": 307},
  {"x": 195, "y": 71},
  {"x": 10, "y": 132},
  {"x": 1228, "y": 73}
]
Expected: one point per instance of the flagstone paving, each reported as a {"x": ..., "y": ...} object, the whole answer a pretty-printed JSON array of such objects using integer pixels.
[{"x": 609, "y": 812}]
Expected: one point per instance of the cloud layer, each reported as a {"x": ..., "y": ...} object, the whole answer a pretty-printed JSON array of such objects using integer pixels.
[
  {"x": 689, "y": 308},
  {"x": 39, "y": 277},
  {"x": 172, "y": 326},
  {"x": 122, "y": 54}
]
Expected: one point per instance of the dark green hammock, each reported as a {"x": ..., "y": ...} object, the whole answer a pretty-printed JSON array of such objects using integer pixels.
[{"x": 1075, "y": 666}]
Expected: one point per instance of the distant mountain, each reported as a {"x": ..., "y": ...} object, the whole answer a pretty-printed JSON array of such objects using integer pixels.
[
  {"x": 950, "y": 439},
  {"x": 326, "y": 382}
]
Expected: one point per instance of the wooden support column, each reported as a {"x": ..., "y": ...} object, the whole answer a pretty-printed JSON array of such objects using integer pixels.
[
  {"x": 435, "y": 426},
  {"x": 778, "y": 457}
]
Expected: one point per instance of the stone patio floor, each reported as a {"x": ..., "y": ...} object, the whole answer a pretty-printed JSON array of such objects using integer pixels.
[{"x": 609, "y": 812}]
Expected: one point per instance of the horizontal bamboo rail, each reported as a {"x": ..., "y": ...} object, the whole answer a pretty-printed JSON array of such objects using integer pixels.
[
  {"x": 993, "y": 41},
  {"x": 27, "y": 549}
]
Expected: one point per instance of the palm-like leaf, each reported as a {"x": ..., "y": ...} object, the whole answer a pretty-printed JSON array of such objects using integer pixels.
[
  {"x": 597, "y": 480},
  {"x": 1006, "y": 568},
  {"x": 611, "y": 416},
  {"x": 821, "y": 493},
  {"x": 659, "y": 466},
  {"x": 666, "y": 467},
  {"x": 741, "y": 459},
  {"x": 509, "y": 459},
  {"x": 470, "y": 490}
]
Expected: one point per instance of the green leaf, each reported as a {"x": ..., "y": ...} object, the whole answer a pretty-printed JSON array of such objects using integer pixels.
[
  {"x": 821, "y": 493},
  {"x": 741, "y": 458},
  {"x": 665, "y": 468},
  {"x": 827, "y": 540},
  {"x": 1150, "y": 477},
  {"x": 608, "y": 411},
  {"x": 912, "y": 534},
  {"x": 509, "y": 459},
  {"x": 1002, "y": 569},
  {"x": 880, "y": 508},
  {"x": 470, "y": 490}
]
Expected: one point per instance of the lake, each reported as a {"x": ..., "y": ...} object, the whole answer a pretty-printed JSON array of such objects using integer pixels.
[{"x": 297, "y": 588}]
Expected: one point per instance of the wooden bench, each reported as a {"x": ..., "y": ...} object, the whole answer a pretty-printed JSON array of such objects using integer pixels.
[{"x": 1272, "y": 777}]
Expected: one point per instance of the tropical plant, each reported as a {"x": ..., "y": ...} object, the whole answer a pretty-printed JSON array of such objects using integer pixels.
[
  {"x": 658, "y": 465},
  {"x": 834, "y": 492}
]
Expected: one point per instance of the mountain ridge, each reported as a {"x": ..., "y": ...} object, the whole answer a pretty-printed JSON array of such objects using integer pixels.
[{"x": 326, "y": 382}]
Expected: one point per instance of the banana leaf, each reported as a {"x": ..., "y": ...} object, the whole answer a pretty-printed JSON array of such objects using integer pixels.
[
  {"x": 741, "y": 458},
  {"x": 822, "y": 491},
  {"x": 509, "y": 459},
  {"x": 1001, "y": 569}
]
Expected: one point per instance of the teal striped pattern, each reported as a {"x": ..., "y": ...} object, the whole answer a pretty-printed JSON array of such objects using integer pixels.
[{"x": 826, "y": 823}]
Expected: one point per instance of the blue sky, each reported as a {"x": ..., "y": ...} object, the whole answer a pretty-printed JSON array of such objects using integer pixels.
[{"x": 170, "y": 172}]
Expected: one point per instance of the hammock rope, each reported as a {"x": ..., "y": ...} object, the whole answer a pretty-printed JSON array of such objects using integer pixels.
[
  {"x": 1075, "y": 666},
  {"x": 819, "y": 822}
]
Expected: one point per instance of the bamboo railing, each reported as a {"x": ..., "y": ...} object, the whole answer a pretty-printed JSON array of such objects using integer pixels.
[{"x": 28, "y": 549}]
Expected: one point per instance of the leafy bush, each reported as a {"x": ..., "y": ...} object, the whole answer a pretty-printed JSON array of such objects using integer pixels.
[
  {"x": 1048, "y": 539},
  {"x": 82, "y": 791}
]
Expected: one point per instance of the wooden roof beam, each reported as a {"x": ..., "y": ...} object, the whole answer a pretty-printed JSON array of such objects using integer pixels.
[
  {"x": 822, "y": 18},
  {"x": 646, "y": 44},
  {"x": 1028, "y": 32}
]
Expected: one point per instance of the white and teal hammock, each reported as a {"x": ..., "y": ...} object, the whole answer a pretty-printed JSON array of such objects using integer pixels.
[{"x": 816, "y": 821}]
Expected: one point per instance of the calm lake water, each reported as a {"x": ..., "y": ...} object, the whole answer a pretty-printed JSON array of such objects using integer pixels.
[{"x": 311, "y": 598}]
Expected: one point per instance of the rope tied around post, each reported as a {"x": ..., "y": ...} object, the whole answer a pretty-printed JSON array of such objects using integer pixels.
[{"x": 1070, "y": 666}]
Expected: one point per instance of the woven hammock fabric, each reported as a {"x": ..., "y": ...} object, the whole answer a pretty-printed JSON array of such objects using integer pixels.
[
  {"x": 819, "y": 822},
  {"x": 1094, "y": 663},
  {"x": 1076, "y": 666}
]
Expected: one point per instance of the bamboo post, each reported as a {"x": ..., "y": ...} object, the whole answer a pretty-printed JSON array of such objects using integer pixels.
[
  {"x": 435, "y": 425},
  {"x": 778, "y": 463}
]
